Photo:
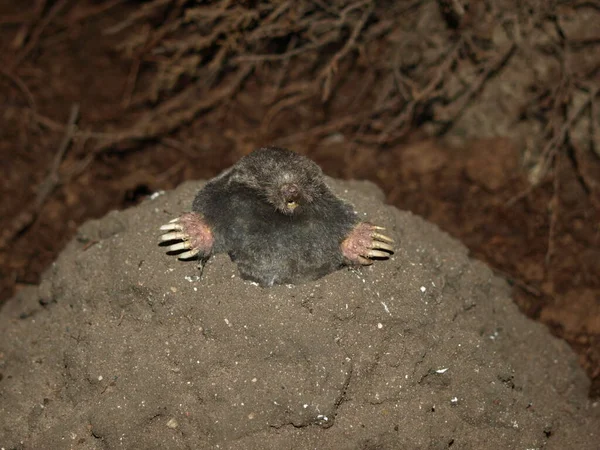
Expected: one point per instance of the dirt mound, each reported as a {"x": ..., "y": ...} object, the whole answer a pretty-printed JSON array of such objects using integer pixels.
[
  {"x": 480, "y": 116},
  {"x": 122, "y": 346}
]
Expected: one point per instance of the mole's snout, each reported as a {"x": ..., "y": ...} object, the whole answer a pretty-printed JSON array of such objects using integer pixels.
[{"x": 291, "y": 195}]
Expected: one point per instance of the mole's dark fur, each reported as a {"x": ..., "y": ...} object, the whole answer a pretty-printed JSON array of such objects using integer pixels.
[{"x": 277, "y": 219}]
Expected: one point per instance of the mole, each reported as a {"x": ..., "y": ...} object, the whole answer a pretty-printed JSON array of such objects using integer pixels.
[{"x": 277, "y": 219}]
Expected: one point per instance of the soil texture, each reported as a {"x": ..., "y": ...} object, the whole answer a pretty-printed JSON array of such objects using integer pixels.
[{"x": 123, "y": 346}]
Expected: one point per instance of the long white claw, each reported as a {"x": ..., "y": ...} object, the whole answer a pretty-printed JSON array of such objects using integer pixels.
[
  {"x": 375, "y": 227},
  {"x": 382, "y": 237},
  {"x": 382, "y": 246},
  {"x": 189, "y": 254},
  {"x": 171, "y": 226},
  {"x": 181, "y": 246},
  {"x": 173, "y": 236},
  {"x": 176, "y": 219},
  {"x": 377, "y": 254},
  {"x": 364, "y": 261}
]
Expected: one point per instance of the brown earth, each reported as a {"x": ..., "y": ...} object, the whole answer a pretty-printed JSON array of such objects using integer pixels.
[
  {"x": 512, "y": 170},
  {"x": 123, "y": 346}
]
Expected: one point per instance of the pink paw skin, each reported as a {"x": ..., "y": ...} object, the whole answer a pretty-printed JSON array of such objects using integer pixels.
[
  {"x": 190, "y": 234},
  {"x": 365, "y": 243}
]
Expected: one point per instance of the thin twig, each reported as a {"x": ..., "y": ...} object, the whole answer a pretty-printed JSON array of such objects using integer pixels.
[
  {"x": 27, "y": 217},
  {"x": 280, "y": 56},
  {"x": 175, "y": 112},
  {"x": 514, "y": 280},
  {"x": 87, "y": 13},
  {"x": 131, "y": 82},
  {"x": 23, "y": 87},
  {"x": 37, "y": 32},
  {"x": 418, "y": 97},
  {"x": 554, "y": 144},
  {"x": 554, "y": 207},
  {"x": 33, "y": 16},
  {"x": 474, "y": 88},
  {"x": 68, "y": 137},
  {"x": 327, "y": 74},
  {"x": 146, "y": 10}
]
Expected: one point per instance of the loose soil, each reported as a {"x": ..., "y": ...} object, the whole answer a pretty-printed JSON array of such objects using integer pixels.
[{"x": 124, "y": 346}]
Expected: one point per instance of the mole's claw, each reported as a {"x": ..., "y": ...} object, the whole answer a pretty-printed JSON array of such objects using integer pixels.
[
  {"x": 171, "y": 227},
  {"x": 364, "y": 243},
  {"x": 180, "y": 246},
  {"x": 189, "y": 236},
  {"x": 174, "y": 236},
  {"x": 377, "y": 254},
  {"x": 364, "y": 261},
  {"x": 189, "y": 254},
  {"x": 382, "y": 237},
  {"x": 382, "y": 246}
]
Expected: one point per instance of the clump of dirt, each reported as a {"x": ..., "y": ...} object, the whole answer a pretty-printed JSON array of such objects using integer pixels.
[
  {"x": 127, "y": 347},
  {"x": 481, "y": 116}
]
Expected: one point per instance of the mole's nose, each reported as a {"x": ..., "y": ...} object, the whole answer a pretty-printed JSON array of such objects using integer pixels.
[{"x": 290, "y": 192}]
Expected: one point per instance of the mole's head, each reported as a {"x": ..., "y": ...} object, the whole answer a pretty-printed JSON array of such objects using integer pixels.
[{"x": 286, "y": 180}]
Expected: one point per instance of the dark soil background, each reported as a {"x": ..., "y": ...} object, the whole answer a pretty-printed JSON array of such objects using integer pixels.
[{"x": 483, "y": 117}]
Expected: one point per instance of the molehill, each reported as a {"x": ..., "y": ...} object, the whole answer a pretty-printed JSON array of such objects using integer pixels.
[{"x": 122, "y": 346}]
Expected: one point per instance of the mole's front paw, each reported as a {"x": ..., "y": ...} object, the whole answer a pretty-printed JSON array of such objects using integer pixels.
[
  {"x": 364, "y": 243},
  {"x": 191, "y": 234}
]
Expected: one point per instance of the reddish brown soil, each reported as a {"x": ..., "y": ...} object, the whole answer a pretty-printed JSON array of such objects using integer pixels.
[{"x": 544, "y": 240}]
